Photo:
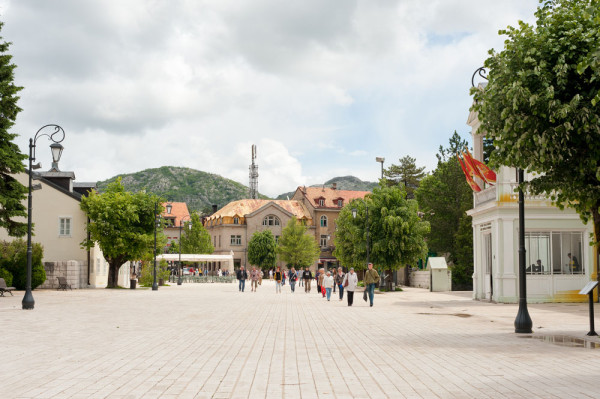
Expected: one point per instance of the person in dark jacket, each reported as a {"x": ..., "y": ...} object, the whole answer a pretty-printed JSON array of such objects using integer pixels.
[
  {"x": 278, "y": 276},
  {"x": 242, "y": 275},
  {"x": 307, "y": 277}
]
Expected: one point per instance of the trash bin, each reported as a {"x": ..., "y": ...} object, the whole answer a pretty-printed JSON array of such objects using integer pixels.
[{"x": 132, "y": 283}]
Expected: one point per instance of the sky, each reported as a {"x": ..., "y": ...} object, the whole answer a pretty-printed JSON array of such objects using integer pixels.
[{"x": 322, "y": 87}]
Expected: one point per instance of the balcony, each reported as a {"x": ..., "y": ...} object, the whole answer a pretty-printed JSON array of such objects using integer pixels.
[{"x": 484, "y": 196}]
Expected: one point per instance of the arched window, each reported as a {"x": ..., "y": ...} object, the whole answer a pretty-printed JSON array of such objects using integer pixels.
[
  {"x": 323, "y": 221},
  {"x": 271, "y": 220}
]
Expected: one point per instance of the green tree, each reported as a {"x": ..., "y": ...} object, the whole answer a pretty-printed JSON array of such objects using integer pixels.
[
  {"x": 396, "y": 232},
  {"x": 196, "y": 240},
  {"x": 406, "y": 173},
  {"x": 262, "y": 249},
  {"x": 540, "y": 105},
  {"x": 12, "y": 193},
  {"x": 122, "y": 224},
  {"x": 296, "y": 247},
  {"x": 13, "y": 259}
]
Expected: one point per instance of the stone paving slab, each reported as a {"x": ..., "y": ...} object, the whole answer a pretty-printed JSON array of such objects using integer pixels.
[{"x": 211, "y": 341}]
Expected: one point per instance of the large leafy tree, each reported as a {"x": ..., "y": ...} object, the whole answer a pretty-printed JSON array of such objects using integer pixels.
[
  {"x": 262, "y": 249},
  {"x": 406, "y": 173},
  {"x": 11, "y": 160},
  {"x": 396, "y": 232},
  {"x": 296, "y": 247},
  {"x": 540, "y": 105},
  {"x": 195, "y": 239},
  {"x": 444, "y": 197},
  {"x": 122, "y": 223}
]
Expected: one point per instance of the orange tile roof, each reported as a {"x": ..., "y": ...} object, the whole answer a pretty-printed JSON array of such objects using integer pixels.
[
  {"x": 244, "y": 207},
  {"x": 330, "y": 195},
  {"x": 179, "y": 210}
]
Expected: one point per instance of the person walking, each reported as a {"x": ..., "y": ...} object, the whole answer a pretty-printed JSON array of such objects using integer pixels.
[
  {"x": 293, "y": 276},
  {"x": 307, "y": 277},
  {"x": 350, "y": 283},
  {"x": 371, "y": 278},
  {"x": 283, "y": 275},
  {"x": 270, "y": 274},
  {"x": 260, "y": 277},
  {"x": 277, "y": 276},
  {"x": 320, "y": 281},
  {"x": 328, "y": 284},
  {"x": 254, "y": 276},
  {"x": 242, "y": 275},
  {"x": 339, "y": 281}
]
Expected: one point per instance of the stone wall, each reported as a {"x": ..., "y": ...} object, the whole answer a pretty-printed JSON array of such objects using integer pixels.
[
  {"x": 74, "y": 271},
  {"x": 420, "y": 278}
]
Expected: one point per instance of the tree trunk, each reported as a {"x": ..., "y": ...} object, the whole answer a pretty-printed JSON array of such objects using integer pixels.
[{"x": 113, "y": 272}]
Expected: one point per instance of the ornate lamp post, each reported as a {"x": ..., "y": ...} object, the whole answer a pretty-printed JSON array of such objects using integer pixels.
[
  {"x": 380, "y": 160},
  {"x": 56, "y": 137},
  {"x": 156, "y": 224},
  {"x": 354, "y": 213},
  {"x": 180, "y": 232}
]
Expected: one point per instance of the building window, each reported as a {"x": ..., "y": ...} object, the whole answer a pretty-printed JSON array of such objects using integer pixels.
[
  {"x": 271, "y": 220},
  {"x": 64, "y": 227},
  {"x": 554, "y": 252},
  {"x": 323, "y": 241},
  {"x": 340, "y": 203},
  {"x": 219, "y": 241},
  {"x": 236, "y": 220},
  {"x": 277, "y": 239},
  {"x": 236, "y": 240},
  {"x": 215, "y": 241},
  {"x": 323, "y": 221},
  {"x": 321, "y": 202}
]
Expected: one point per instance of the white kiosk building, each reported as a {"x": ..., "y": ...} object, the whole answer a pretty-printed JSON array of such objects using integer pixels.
[{"x": 559, "y": 259}]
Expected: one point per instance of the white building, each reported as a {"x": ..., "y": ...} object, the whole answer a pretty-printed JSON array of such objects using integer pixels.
[{"x": 559, "y": 259}]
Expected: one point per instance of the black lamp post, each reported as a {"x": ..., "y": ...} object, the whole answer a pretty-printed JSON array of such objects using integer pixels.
[
  {"x": 56, "y": 137},
  {"x": 180, "y": 232},
  {"x": 156, "y": 222},
  {"x": 523, "y": 321},
  {"x": 354, "y": 213}
]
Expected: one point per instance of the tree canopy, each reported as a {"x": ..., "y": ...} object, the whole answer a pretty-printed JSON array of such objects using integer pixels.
[
  {"x": 195, "y": 240},
  {"x": 296, "y": 247},
  {"x": 122, "y": 223},
  {"x": 396, "y": 233},
  {"x": 11, "y": 160},
  {"x": 540, "y": 105},
  {"x": 262, "y": 249},
  {"x": 406, "y": 173}
]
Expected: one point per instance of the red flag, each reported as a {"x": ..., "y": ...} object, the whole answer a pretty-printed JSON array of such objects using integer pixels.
[
  {"x": 474, "y": 186},
  {"x": 488, "y": 174},
  {"x": 471, "y": 166}
]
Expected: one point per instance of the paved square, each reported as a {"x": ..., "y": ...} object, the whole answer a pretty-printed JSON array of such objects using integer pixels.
[{"x": 211, "y": 341}]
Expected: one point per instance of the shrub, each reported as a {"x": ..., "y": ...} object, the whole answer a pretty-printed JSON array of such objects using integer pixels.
[
  {"x": 7, "y": 276},
  {"x": 13, "y": 258},
  {"x": 147, "y": 277}
]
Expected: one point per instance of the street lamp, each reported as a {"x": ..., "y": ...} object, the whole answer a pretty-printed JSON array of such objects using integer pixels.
[
  {"x": 381, "y": 160},
  {"x": 56, "y": 137},
  {"x": 180, "y": 232},
  {"x": 156, "y": 224},
  {"x": 523, "y": 321},
  {"x": 354, "y": 213}
]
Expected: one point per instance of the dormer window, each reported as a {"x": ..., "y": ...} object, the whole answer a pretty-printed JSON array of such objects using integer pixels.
[
  {"x": 321, "y": 201},
  {"x": 236, "y": 220},
  {"x": 340, "y": 202}
]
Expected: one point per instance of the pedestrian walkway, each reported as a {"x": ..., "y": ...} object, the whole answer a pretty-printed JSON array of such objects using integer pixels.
[{"x": 211, "y": 341}]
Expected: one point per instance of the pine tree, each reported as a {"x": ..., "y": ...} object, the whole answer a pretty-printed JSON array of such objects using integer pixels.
[
  {"x": 12, "y": 193},
  {"x": 406, "y": 174}
]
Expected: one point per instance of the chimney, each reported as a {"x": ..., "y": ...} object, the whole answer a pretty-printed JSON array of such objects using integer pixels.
[
  {"x": 334, "y": 186},
  {"x": 214, "y": 209}
]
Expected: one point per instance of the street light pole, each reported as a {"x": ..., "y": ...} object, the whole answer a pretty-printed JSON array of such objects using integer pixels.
[
  {"x": 180, "y": 232},
  {"x": 28, "y": 301},
  {"x": 523, "y": 321},
  {"x": 154, "y": 284},
  {"x": 381, "y": 160}
]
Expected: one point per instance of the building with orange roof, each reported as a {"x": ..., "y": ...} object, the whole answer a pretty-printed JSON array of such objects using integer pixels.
[
  {"x": 324, "y": 205},
  {"x": 174, "y": 213}
]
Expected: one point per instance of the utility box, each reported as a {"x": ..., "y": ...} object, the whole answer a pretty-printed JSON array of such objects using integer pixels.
[{"x": 441, "y": 276}]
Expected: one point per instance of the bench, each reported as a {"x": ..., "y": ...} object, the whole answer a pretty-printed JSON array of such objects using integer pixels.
[
  {"x": 62, "y": 284},
  {"x": 4, "y": 288}
]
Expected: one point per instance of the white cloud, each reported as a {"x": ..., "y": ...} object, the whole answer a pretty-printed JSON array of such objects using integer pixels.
[{"x": 321, "y": 87}]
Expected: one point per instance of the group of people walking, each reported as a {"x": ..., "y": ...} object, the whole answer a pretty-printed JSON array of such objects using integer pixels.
[{"x": 326, "y": 282}]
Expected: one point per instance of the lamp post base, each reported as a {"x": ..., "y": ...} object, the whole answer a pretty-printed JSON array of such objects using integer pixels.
[
  {"x": 154, "y": 287},
  {"x": 523, "y": 321},
  {"x": 28, "y": 302},
  {"x": 179, "y": 281}
]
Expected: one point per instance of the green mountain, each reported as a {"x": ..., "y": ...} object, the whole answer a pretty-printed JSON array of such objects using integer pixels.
[
  {"x": 343, "y": 183},
  {"x": 200, "y": 190}
]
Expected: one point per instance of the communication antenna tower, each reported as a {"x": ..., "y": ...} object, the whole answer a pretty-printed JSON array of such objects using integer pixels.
[{"x": 253, "y": 192}]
